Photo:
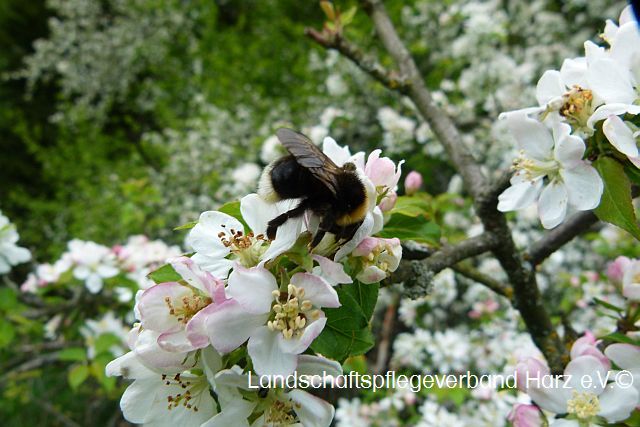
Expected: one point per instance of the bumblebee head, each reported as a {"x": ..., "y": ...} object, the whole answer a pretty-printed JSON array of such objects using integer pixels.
[{"x": 349, "y": 167}]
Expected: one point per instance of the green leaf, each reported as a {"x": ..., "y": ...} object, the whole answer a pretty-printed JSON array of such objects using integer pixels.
[
  {"x": 615, "y": 205},
  {"x": 633, "y": 173},
  {"x": 8, "y": 299},
  {"x": 7, "y": 333},
  {"x": 347, "y": 330},
  {"x": 233, "y": 209},
  {"x": 608, "y": 305},
  {"x": 417, "y": 228},
  {"x": 418, "y": 204},
  {"x": 164, "y": 274},
  {"x": 77, "y": 375},
  {"x": 346, "y": 17},
  {"x": 188, "y": 226},
  {"x": 365, "y": 296},
  {"x": 72, "y": 354},
  {"x": 106, "y": 341},
  {"x": 619, "y": 337}
]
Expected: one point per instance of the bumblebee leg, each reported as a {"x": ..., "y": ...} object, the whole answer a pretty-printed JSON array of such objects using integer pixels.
[
  {"x": 325, "y": 225},
  {"x": 276, "y": 222},
  {"x": 346, "y": 233}
]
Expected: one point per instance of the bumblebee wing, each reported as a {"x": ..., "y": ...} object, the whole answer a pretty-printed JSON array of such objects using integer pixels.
[{"x": 309, "y": 156}]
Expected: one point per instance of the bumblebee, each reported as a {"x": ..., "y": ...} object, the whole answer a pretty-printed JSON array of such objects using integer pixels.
[{"x": 335, "y": 194}]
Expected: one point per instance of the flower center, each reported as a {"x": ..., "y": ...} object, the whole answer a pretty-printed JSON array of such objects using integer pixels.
[
  {"x": 584, "y": 405},
  {"x": 280, "y": 414},
  {"x": 247, "y": 247},
  {"x": 291, "y": 312},
  {"x": 577, "y": 106},
  {"x": 533, "y": 169},
  {"x": 189, "y": 306},
  {"x": 192, "y": 387}
]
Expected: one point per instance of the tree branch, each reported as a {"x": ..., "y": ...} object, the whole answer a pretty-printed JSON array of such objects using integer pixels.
[
  {"x": 440, "y": 123},
  {"x": 527, "y": 298},
  {"x": 559, "y": 236},
  {"x": 365, "y": 62},
  {"x": 495, "y": 285}
]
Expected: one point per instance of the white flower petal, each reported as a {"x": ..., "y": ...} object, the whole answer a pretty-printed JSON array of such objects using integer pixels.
[
  {"x": 128, "y": 366},
  {"x": 584, "y": 186},
  {"x": 626, "y": 356},
  {"x": 266, "y": 355},
  {"x": 620, "y": 136},
  {"x": 252, "y": 288},
  {"x": 230, "y": 325},
  {"x": 550, "y": 398},
  {"x": 300, "y": 344},
  {"x": 218, "y": 267},
  {"x": 332, "y": 271},
  {"x": 569, "y": 149},
  {"x": 563, "y": 422},
  {"x": 574, "y": 72},
  {"x": 549, "y": 86},
  {"x": 312, "y": 411},
  {"x": 532, "y": 136},
  {"x": 94, "y": 283},
  {"x": 626, "y": 46},
  {"x": 317, "y": 290},
  {"x": 552, "y": 206},
  {"x": 617, "y": 402},
  {"x": 519, "y": 196},
  {"x": 154, "y": 311},
  {"x": 203, "y": 237},
  {"x": 583, "y": 367},
  {"x": 607, "y": 110},
  {"x": 315, "y": 365},
  {"x": 610, "y": 81}
]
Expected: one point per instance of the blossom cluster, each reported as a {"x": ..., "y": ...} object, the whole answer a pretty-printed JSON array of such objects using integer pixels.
[
  {"x": 590, "y": 390},
  {"x": 93, "y": 263},
  {"x": 244, "y": 304},
  {"x": 589, "y": 96},
  {"x": 10, "y": 253}
]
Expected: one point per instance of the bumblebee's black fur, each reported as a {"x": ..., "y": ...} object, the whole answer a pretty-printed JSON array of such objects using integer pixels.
[{"x": 335, "y": 194}]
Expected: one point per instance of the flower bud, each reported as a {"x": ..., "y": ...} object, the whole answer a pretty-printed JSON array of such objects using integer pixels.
[
  {"x": 388, "y": 202},
  {"x": 615, "y": 270},
  {"x": 525, "y": 416},
  {"x": 412, "y": 183}
]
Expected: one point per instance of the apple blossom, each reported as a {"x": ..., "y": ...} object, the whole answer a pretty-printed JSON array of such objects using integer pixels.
[
  {"x": 555, "y": 155},
  {"x": 10, "y": 253},
  {"x": 279, "y": 324},
  {"x": 584, "y": 396},
  {"x": 379, "y": 257},
  {"x": 280, "y": 406},
  {"x": 108, "y": 324},
  {"x": 92, "y": 263},
  {"x": 158, "y": 397},
  {"x": 627, "y": 357},
  {"x": 218, "y": 239},
  {"x": 631, "y": 281},
  {"x": 178, "y": 310},
  {"x": 616, "y": 268}
]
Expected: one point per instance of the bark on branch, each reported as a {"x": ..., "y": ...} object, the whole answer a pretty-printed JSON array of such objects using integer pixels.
[{"x": 526, "y": 295}]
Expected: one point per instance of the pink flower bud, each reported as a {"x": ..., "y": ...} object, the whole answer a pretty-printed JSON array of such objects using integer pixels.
[
  {"x": 388, "y": 202},
  {"x": 525, "y": 416},
  {"x": 530, "y": 368},
  {"x": 412, "y": 182},
  {"x": 615, "y": 270}
]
